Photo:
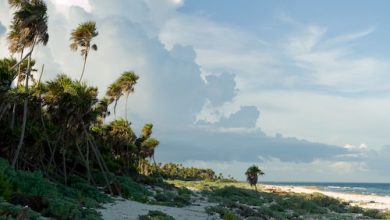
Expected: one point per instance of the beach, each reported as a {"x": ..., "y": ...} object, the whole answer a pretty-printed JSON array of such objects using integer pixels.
[{"x": 364, "y": 201}]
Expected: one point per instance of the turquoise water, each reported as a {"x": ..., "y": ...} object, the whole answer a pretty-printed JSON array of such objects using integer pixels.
[{"x": 381, "y": 189}]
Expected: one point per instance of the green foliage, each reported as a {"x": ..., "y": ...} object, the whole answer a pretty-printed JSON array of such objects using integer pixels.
[
  {"x": 133, "y": 190},
  {"x": 7, "y": 75},
  {"x": 5, "y": 186},
  {"x": 230, "y": 216},
  {"x": 179, "y": 172},
  {"x": 10, "y": 211},
  {"x": 156, "y": 215},
  {"x": 180, "y": 198},
  {"x": 76, "y": 201},
  {"x": 223, "y": 212}
]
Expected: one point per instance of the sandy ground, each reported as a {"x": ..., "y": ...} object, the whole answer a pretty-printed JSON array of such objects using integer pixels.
[
  {"x": 364, "y": 201},
  {"x": 126, "y": 209}
]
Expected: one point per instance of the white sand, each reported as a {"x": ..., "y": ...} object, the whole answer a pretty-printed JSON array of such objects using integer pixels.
[
  {"x": 364, "y": 201},
  {"x": 126, "y": 209}
]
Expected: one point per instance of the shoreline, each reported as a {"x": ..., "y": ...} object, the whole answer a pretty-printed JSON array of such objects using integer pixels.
[{"x": 361, "y": 200}]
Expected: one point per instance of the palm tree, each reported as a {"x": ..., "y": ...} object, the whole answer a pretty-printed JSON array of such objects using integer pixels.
[
  {"x": 123, "y": 85},
  {"x": 252, "y": 174},
  {"x": 127, "y": 82},
  {"x": 113, "y": 94},
  {"x": 81, "y": 37},
  {"x": 28, "y": 28}
]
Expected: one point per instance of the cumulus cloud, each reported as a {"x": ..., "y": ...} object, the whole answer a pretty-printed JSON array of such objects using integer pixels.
[
  {"x": 246, "y": 117},
  {"x": 209, "y": 144},
  {"x": 221, "y": 88}
]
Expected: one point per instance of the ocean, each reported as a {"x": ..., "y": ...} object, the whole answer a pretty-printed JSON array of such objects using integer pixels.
[{"x": 380, "y": 189}]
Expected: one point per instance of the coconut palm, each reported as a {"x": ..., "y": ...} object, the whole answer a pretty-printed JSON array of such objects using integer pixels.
[
  {"x": 28, "y": 28},
  {"x": 252, "y": 175},
  {"x": 127, "y": 82},
  {"x": 81, "y": 37}
]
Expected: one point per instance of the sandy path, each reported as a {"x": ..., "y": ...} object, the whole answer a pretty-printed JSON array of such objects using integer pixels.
[
  {"x": 126, "y": 209},
  {"x": 364, "y": 201}
]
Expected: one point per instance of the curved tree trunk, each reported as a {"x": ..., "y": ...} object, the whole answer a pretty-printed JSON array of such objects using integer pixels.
[
  {"x": 85, "y": 62},
  {"x": 25, "y": 109}
]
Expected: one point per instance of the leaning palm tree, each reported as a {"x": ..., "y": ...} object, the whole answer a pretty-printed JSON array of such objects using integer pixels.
[
  {"x": 81, "y": 37},
  {"x": 29, "y": 28},
  {"x": 127, "y": 82},
  {"x": 252, "y": 175}
]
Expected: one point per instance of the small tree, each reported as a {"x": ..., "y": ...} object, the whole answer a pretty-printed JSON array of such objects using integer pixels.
[{"x": 252, "y": 175}]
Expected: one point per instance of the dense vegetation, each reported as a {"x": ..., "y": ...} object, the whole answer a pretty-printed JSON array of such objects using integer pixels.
[{"x": 180, "y": 172}]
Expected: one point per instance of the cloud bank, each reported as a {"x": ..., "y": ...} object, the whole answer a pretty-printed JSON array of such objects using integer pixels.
[{"x": 204, "y": 83}]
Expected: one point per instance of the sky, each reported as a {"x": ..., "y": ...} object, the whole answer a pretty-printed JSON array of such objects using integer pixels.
[{"x": 300, "y": 88}]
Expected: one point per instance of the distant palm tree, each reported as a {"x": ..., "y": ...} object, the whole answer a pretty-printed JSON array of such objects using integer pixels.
[
  {"x": 113, "y": 94},
  {"x": 252, "y": 175},
  {"x": 81, "y": 37},
  {"x": 123, "y": 85},
  {"x": 28, "y": 28},
  {"x": 127, "y": 82}
]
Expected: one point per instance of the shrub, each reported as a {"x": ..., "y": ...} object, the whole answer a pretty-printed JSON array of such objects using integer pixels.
[
  {"x": 10, "y": 211},
  {"x": 156, "y": 215},
  {"x": 5, "y": 186},
  {"x": 133, "y": 190}
]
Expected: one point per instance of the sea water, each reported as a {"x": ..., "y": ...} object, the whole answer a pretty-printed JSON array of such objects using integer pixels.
[{"x": 380, "y": 189}]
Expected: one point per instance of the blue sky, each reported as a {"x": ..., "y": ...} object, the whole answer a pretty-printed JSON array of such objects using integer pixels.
[{"x": 297, "y": 87}]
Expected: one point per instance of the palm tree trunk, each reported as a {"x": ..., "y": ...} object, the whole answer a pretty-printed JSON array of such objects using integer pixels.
[
  {"x": 25, "y": 57},
  {"x": 127, "y": 99},
  {"x": 64, "y": 166},
  {"x": 85, "y": 62},
  {"x": 25, "y": 108},
  {"x": 116, "y": 102},
  {"x": 88, "y": 169},
  {"x": 17, "y": 83},
  {"x": 40, "y": 75},
  {"x": 2, "y": 111},
  {"x": 155, "y": 164},
  {"x": 12, "y": 125}
]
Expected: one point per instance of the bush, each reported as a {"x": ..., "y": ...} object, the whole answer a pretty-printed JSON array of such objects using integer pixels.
[
  {"x": 230, "y": 216},
  {"x": 5, "y": 186},
  {"x": 169, "y": 198},
  {"x": 76, "y": 201},
  {"x": 156, "y": 215},
  {"x": 10, "y": 211},
  {"x": 133, "y": 190}
]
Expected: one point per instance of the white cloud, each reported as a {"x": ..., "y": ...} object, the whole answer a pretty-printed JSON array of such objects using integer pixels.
[
  {"x": 351, "y": 36},
  {"x": 62, "y": 5}
]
